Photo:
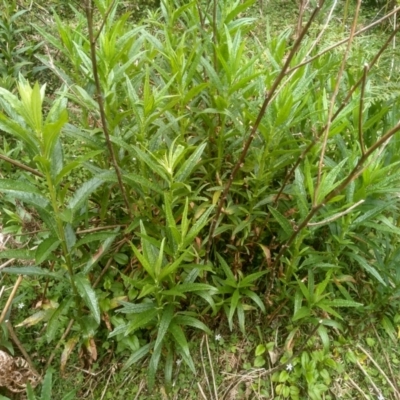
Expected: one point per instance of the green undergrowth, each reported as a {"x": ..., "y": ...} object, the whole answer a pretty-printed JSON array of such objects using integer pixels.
[
  {"x": 199, "y": 192},
  {"x": 232, "y": 366}
]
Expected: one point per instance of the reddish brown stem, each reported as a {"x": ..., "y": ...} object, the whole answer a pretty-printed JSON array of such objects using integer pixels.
[
  {"x": 332, "y": 103},
  {"x": 338, "y": 111},
  {"x": 360, "y": 112},
  {"x": 357, "y": 170},
  {"x": 254, "y": 129},
  {"x": 93, "y": 56}
]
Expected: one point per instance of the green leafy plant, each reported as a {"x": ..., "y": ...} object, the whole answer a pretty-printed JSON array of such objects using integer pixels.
[
  {"x": 15, "y": 58},
  {"x": 234, "y": 291},
  {"x": 159, "y": 302},
  {"x": 186, "y": 165},
  {"x": 309, "y": 374},
  {"x": 46, "y": 392}
]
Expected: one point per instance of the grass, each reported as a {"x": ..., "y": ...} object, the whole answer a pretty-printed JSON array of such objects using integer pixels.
[{"x": 364, "y": 365}]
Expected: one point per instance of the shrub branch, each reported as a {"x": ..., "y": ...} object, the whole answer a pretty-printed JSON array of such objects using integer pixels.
[
  {"x": 332, "y": 102},
  {"x": 254, "y": 128},
  {"x": 357, "y": 170},
  {"x": 360, "y": 112},
  {"x": 99, "y": 98},
  {"x": 316, "y": 139}
]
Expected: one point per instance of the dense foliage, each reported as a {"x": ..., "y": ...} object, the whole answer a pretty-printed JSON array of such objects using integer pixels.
[{"x": 195, "y": 168}]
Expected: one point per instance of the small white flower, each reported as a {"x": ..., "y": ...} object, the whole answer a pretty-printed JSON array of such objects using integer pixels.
[
  {"x": 289, "y": 367},
  {"x": 178, "y": 361},
  {"x": 380, "y": 397},
  {"x": 21, "y": 305},
  {"x": 218, "y": 337}
]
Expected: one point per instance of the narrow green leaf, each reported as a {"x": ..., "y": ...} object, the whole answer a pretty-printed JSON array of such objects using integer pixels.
[
  {"x": 389, "y": 328},
  {"x": 130, "y": 308},
  {"x": 151, "y": 163},
  {"x": 145, "y": 263},
  {"x": 166, "y": 318},
  {"x": 141, "y": 320},
  {"x": 150, "y": 247},
  {"x": 304, "y": 290},
  {"x": 195, "y": 287},
  {"x": 181, "y": 341},
  {"x": 47, "y": 385},
  {"x": 54, "y": 322},
  {"x": 241, "y": 318},
  {"x": 323, "y": 334},
  {"x": 325, "y": 305},
  {"x": 88, "y": 295},
  {"x": 364, "y": 264},
  {"x": 238, "y": 9},
  {"x": 10, "y": 186},
  {"x": 84, "y": 137},
  {"x": 309, "y": 178},
  {"x": 328, "y": 182},
  {"x": 184, "y": 220},
  {"x": 78, "y": 162},
  {"x": 253, "y": 296},
  {"x": 197, "y": 227},
  {"x": 250, "y": 279},
  {"x": 20, "y": 254},
  {"x": 70, "y": 395},
  {"x": 186, "y": 320},
  {"x": 228, "y": 272},
  {"x": 45, "y": 249},
  {"x": 301, "y": 195},
  {"x": 135, "y": 180},
  {"x": 209, "y": 299},
  {"x": 35, "y": 318},
  {"x": 298, "y": 300},
  {"x": 29, "y": 391},
  {"x": 174, "y": 233},
  {"x": 51, "y": 133},
  {"x": 171, "y": 268},
  {"x": 70, "y": 237},
  {"x": 233, "y": 305},
  {"x": 159, "y": 261},
  {"x": 94, "y": 259},
  {"x": 31, "y": 271},
  {"x": 282, "y": 221},
  {"x": 320, "y": 288},
  {"x": 19, "y": 131},
  {"x": 194, "y": 91},
  {"x": 186, "y": 169},
  {"x": 83, "y": 98},
  {"x": 153, "y": 366},
  {"x": 56, "y": 159},
  {"x": 95, "y": 237},
  {"x": 303, "y": 312},
  {"x": 82, "y": 194},
  {"x": 138, "y": 355},
  {"x": 344, "y": 303}
]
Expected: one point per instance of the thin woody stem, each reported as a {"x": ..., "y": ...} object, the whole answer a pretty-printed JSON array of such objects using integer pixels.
[
  {"x": 328, "y": 49},
  {"x": 332, "y": 103},
  {"x": 360, "y": 112},
  {"x": 21, "y": 166},
  {"x": 357, "y": 170},
  {"x": 253, "y": 131},
  {"x": 338, "y": 111},
  {"x": 93, "y": 56},
  {"x": 104, "y": 20}
]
